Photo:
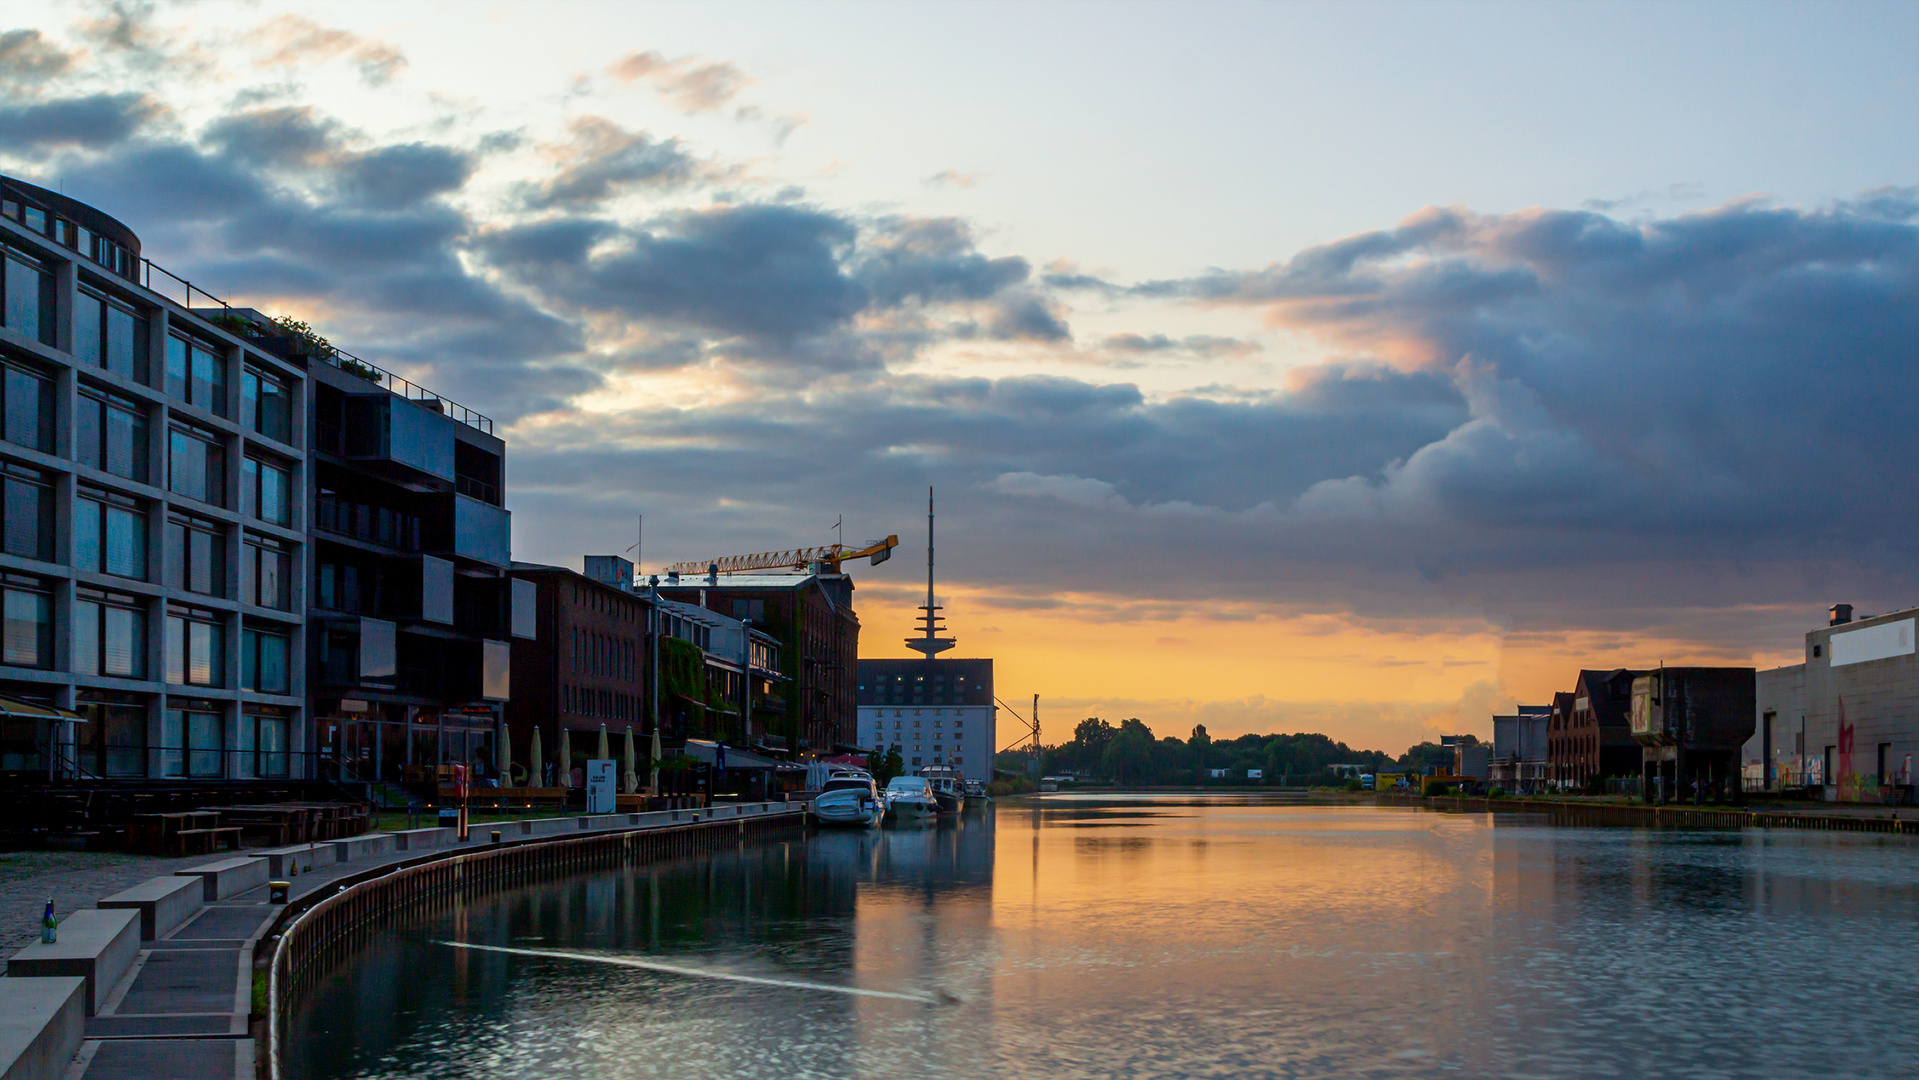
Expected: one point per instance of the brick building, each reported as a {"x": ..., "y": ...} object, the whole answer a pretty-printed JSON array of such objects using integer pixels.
[
  {"x": 811, "y": 617},
  {"x": 584, "y": 668},
  {"x": 1589, "y": 735}
]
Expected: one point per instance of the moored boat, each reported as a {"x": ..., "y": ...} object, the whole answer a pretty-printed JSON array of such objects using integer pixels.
[
  {"x": 943, "y": 782},
  {"x": 850, "y": 798},
  {"x": 909, "y": 800},
  {"x": 975, "y": 792}
]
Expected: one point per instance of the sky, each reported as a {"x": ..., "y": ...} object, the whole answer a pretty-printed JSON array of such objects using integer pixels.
[{"x": 1353, "y": 368}]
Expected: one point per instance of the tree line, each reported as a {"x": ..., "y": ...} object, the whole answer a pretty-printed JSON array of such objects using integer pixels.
[{"x": 1129, "y": 753}]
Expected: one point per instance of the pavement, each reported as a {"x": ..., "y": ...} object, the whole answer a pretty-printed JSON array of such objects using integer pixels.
[{"x": 182, "y": 1012}]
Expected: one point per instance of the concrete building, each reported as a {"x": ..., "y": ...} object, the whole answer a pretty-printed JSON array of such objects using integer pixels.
[
  {"x": 153, "y": 547},
  {"x": 1772, "y": 759},
  {"x": 936, "y": 711},
  {"x": 1690, "y": 723},
  {"x": 1845, "y": 722},
  {"x": 1519, "y": 749},
  {"x": 1588, "y": 736}
]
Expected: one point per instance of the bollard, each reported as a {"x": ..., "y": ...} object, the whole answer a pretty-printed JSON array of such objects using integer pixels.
[{"x": 277, "y": 891}]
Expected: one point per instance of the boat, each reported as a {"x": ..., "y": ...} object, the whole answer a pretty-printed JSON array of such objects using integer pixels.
[
  {"x": 944, "y": 783},
  {"x": 909, "y": 799},
  {"x": 850, "y": 798},
  {"x": 975, "y": 792}
]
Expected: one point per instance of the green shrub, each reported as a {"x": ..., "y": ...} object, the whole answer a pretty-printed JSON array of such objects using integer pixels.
[
  {"x": 1596, "y": 786},
  {"x": 1436, "y": 787},
  {"x": 1496, "y": 793},
  {"x": 1355, "y": 785}
]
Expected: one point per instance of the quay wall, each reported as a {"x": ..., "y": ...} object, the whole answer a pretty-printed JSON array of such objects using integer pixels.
[
  {"x": 1649, "y": 816},
  {"x": 319, "y": 931}
]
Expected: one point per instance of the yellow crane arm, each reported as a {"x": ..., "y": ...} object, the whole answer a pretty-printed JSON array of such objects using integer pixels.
[{"x": 792, "y": 559}]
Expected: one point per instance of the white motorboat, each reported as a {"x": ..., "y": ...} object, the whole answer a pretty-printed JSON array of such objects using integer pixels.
[
  {"x": 976, "y": 797},
  {"x": 943, "y": 783},
  {"x": 908, "y": 799},
  {"x": 849, "y": 797}
]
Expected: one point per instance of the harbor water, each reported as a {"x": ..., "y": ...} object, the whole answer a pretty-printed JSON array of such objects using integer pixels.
[{"x": 1161, "y": 936}]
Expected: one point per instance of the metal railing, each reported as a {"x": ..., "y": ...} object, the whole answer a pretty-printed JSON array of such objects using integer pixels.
[{"x": 171, "y": 286}]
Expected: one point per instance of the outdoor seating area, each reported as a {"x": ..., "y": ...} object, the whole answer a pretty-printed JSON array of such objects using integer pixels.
[{"x": 229, "y": 828}]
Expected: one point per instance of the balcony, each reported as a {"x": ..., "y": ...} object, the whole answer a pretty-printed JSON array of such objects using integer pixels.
[
  {"x": 466, "y": 528},
  {"x": 403, "y": 439}
]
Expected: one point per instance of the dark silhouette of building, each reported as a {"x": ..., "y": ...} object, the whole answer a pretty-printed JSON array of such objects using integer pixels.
[{"x": 1690, "y": 724}]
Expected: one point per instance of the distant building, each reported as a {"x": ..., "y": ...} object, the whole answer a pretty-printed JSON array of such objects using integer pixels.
[
  {"x": 1846, "y": 721},
  {"x": 1589, "y": 736},
  {"x": 1519, "y": 749},
  {"x": 1690, "y": 723},
  {"x": 586, "y": 667},
  {"x": 937, "y": 711}
]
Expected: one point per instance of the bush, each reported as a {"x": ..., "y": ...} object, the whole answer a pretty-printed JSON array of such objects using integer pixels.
[
  {"x": 1596, "y": 786},
  {"x": 1496, "y": 793},
  {"x": 1435, "y": 787},
  {"x": 1355, "y": 785}
]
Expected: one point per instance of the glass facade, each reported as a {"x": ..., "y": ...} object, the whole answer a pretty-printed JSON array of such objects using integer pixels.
[
  {"x": 109, "y": 334},
  {"x": 196, "y": 465},
  {"x": 196, "y": 373},
  {"x": 26, "y": 406},
  {"x": 196, "y": 555},
  {"x": 29, "y": 302},
  {"x": 27, "y": 530},
  {"x": 266, "y": 491},
  {"x": 26, "y": 635},
  {"x": 195, "y": 647},
  {"x": 110, "y": 534},
  {"x": 110, "y": 635},
  {"x": 266, "y": 572}
]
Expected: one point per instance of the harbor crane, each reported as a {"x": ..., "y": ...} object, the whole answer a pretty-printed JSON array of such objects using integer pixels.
[{"x": 793, "y": 559}]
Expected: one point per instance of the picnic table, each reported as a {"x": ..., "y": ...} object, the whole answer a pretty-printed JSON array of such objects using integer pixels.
[{"x": 185, "y": 832}]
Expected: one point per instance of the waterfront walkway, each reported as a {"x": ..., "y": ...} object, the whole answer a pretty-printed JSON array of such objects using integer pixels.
[{"x": 182, "y": 1011}]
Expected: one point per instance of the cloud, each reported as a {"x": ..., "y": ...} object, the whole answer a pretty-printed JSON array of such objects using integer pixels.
[
  {"x": 293, "y": 41},
  {"x": 1072, "y": 490},
  {"x": 27, "y": 59},
  {"x": 1202, "y": 345},
  {"x": 603, "y": 160},
  {"x": 690, "y": 85},
  {"x": 954, "y": 178},
  {"x": 91, "y": 122}
]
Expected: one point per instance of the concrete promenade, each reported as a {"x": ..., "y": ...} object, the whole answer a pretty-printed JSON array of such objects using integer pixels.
[{"x": 182, "y": 1010}]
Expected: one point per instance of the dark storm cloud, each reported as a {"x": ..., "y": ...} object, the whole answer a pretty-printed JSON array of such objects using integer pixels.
[
  {"x": 774, "y": 272},
  {"x": 94, "y": 121},
  {"x": 397, "y": 176},
  {"x": 932, "y": 260}
]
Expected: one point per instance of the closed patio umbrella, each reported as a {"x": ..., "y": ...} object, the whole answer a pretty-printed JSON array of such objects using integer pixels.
[
  {"x": 604, "y": 752},
  {"x": 566, "y": 758},
  {"x": 536, "y": 765},
  {"x": 628, "y": 780},
  {"x": 653, "y": 786},
  {"x": 505, "y": 762}
]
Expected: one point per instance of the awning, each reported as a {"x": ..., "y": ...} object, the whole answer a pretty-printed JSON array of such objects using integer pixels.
[
  {"x": 15, "y": 709},
  {"x": 703, "y": 751}
]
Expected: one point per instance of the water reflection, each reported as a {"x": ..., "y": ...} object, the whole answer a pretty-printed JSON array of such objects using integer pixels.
[{"x": 1169, "y": 937}]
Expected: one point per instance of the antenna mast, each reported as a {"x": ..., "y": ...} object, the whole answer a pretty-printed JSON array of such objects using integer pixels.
[{"x": 931, "y": 643}]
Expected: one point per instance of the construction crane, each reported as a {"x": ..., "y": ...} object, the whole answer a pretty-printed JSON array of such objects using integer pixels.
[{"x": 832, "y": 555}]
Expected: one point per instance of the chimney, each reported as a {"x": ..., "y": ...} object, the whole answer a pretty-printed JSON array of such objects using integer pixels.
[
  {"x": 1840, "y": 614},
  {"x": 713, "y": 575}
]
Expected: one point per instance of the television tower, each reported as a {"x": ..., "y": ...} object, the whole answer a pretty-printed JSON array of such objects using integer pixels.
[{"x": 930, "y": 643}]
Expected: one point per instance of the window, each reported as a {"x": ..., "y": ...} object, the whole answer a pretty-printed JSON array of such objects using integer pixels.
[
  {"x": 196, "y": 555},
  {"x": 26, "y": 415},
  {"x": 266, "y": 405},
  {"x": 26, "y": 635},
  {"x": 110, "y": 335},
  {"x": 29, "y": 297},
  {"x": 265, "y": 490},
  {"x": 28, "y": 527},
  {"x": 123, "y": 734},
  {"x": 266, "y": 573},
  {"x": 269, "y": 731},
  {"x": 339, "y": 587},
  {"x": 196, "y": 465},
  {"x": 191, "y": 743},
  {"x": 110, "y": 434},
  {"x": 110, "y": 534},
  {"x": 195, "y": 641},
  {"x": 110, "y": 635},
  {"x": 263, "y": 661},
  {"x": 197, "y": 374}
]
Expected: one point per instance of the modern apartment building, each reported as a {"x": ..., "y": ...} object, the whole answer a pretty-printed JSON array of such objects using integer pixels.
[
  {"x": 153, "y": 551},
  {"x": 229, "y": 552}
]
